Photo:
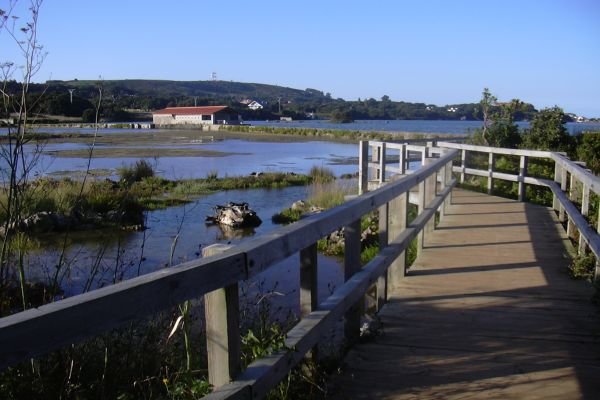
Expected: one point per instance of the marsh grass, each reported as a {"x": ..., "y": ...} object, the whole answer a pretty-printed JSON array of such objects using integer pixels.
[
  {"x": 134, "y": 173},
  {"x": 330, "y": 194},
  {"x": 334, "y": 134},
  {"x": 137, "y": 190}
]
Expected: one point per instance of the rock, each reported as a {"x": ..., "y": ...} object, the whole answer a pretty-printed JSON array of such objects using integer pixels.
[
  {"x": 236, "y": 215},
  {"x": 315, "y": 209},
  {"x": 298, "y": 205}
]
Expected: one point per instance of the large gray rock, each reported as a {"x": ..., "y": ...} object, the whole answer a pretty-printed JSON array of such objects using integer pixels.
[{"x": 236, "y": 215}]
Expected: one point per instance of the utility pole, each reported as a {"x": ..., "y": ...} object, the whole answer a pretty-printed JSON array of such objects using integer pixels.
[
  {"x": 71, "y": 93},
  {"x": 279, "y": 101},
  {"x": 195, "y": 101}
]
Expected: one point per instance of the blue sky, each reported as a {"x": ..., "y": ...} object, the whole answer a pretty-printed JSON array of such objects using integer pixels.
[{"x": 441, "y": 52}]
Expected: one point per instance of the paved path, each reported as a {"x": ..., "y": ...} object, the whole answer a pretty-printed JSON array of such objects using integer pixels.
[{"x": 488, "y": 311}]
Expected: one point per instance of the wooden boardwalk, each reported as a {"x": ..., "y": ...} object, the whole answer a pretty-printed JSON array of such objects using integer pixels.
[{"x": 488, "y": 311}]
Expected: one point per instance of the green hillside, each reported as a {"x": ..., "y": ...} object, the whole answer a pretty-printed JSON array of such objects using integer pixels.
[{"x": 123, "y": 100}]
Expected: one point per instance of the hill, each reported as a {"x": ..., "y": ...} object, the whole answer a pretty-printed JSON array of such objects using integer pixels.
[{"x": 121, "y": 97}]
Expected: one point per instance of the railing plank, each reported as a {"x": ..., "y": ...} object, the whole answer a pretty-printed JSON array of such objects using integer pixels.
[
  {"x": 591, "y": 237},
  {"x": 267, "y": 249},
  {"x": 263, "y": 374},
  {"x": 40, "y": 330}
]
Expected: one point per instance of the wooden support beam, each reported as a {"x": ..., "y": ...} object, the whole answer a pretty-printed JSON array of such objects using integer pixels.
[
  {"x": 403, "y": 159},
  {"x": 463, "y": 165},
  {"x": 351, "y": 266},
  {"x": 443, "y": 180},
  {"x": 490, "y": 180},
  {"x": 597, "y": 269},
  {"x": 522, "y": 174},
  {"x": 430, "y": 193},
  {"x": 585, "y": 200},
  {"x": 223, "y": 339},
  {"x": 363, "y": 165},
  {"x": 382, "y": 157},
  {"x": 308, "y": 279},
  {"x": 382, "y": 281},
  {"x": 563, "y": 187},
  {"x": 398, "y": 214},
  {"x": 557, "y": 179}
]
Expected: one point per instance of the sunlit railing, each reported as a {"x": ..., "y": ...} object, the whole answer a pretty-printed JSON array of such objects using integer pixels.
[{"x": 38, "y": 331}]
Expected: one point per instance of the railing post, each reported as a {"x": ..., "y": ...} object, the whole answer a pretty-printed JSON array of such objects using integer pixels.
[
  {"x": 422, "y": 202},
  {"x": 309, "y": 285},
  {"x": 449, "y": 172},
  {"x": 363, "y": 167},
  {"x": 223, "y": 340},
  {"x": 382, "y": 156},
  {"x": 443, "y": 177},
  {"x": 398, "y": 214},
  {"x": 403, "y": 159},
  {"x": 522, "y": 174},
  {"x": 463, "y": 165},
  {"x": 597, "y": 269},
  {"x": 572, "y": 195},
  {"x": 557, "y": 179},
  {"x": 563, "y": 187},
  {"x": 382, "y": 282},
  {"x": 375, "y": 157},
  {"x": 308, "y": 279},
  {"x": 430, "y": 192},
  {"x": 585, "y": 210},
  {"x": 351, "y": 266},
  {"x": 490, "y": 182}
]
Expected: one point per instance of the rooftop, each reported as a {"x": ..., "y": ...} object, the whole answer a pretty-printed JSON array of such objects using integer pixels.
[{"x": 205, "y": 110}]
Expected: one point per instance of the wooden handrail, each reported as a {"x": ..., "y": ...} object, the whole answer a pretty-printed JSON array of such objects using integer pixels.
[
  {"x": 565, "y": 171},
  {"x": 40, "y": 330}
]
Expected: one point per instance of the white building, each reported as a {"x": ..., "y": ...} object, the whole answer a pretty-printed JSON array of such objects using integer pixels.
[
  {"x": 210, "y": 115},
  {"x": 255, "y": 105}
]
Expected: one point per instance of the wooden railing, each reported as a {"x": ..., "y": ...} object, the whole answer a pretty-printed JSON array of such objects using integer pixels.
[
  {"x": 37, "y": 331},
  {"x": 567, "y": 175}
]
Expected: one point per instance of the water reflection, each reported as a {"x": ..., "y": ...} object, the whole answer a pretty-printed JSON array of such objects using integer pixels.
[{"x": 174, "y": 235}]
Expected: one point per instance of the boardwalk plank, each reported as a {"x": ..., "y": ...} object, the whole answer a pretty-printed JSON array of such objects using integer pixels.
[{"x": 488, "y": 311}]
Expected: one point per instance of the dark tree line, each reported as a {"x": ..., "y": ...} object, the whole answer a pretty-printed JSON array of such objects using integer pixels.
[{"x": 146, "y": 95}]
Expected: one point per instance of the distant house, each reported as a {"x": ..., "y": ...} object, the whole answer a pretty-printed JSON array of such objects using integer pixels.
[
  {"x": 210, "y": 115},
  {"x": 255, "y": 105}
]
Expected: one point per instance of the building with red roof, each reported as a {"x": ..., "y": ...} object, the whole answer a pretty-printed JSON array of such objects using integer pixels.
[{"x": 209, "y": 115}]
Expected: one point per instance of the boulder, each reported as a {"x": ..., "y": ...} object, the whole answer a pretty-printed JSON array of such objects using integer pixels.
[{"x": 236, "y": 215}]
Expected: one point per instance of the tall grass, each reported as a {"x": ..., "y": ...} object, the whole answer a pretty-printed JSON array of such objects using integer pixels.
[
  {"x": 136, "y": 172},
  {"x": 321, "y": 175}
]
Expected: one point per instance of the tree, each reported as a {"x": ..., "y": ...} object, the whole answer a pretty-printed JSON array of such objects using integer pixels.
[
  {"x": 503, "y": 132},
  {"x": 17, "y": 164},
  {"x": 547, "y": 131},
  {"x": 499, "y": 128},
  {"x": 486, "y": 103},
  {"x": 589, "y": 150}
]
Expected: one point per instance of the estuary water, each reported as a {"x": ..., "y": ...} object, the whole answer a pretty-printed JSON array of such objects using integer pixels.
[{"x": 178, "y": 234}]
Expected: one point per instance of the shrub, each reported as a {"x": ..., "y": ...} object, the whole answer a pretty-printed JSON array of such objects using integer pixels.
[
  {"x": 583, "y": 266},
  {"x": 135, "y": 173},
  {"x": 321, "y": 174}
]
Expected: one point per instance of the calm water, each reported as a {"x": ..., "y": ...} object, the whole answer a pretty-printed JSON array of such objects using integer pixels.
[
  {"x": 249, "y": 156},
  {"x": 107, "y": 257},
  {"x": 181, "y": 230}
]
